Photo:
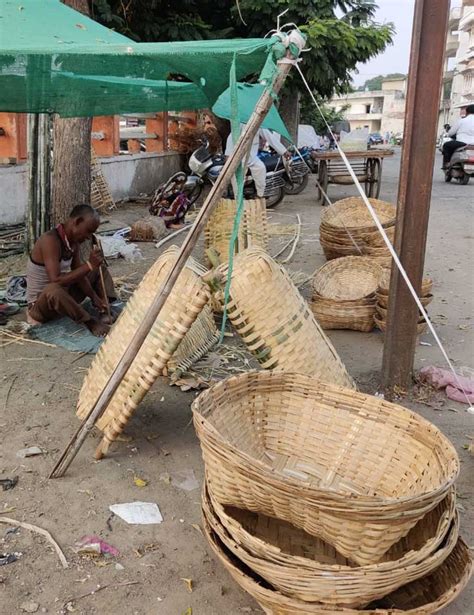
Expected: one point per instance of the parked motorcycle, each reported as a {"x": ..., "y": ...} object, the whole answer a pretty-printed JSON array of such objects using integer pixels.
[
  {"x": 461, "y": 165},
  {"x": 297, "y": 169}
]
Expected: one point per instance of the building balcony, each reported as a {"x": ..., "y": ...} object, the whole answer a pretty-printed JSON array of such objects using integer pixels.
[
  {"x": 467, "y": 20},
  {"x": 454, "y": 17},
  {"x": 452, "y": 44}
]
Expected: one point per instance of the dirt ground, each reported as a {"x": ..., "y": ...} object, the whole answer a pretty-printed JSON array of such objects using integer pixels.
[{"x": 38, "y": 391}]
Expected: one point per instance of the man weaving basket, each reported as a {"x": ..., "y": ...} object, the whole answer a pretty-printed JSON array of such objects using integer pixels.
[{"x": 57, "y": 280}]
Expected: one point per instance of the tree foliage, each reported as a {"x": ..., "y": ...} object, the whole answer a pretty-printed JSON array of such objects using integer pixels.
[
  {"x": 376, "y": 82},
  {"x": 337, "y": 44},
  {"x": 310, "y": 115}
]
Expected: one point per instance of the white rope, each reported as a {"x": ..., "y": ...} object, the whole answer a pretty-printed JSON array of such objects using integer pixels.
[{"x": 389, "y": 245}]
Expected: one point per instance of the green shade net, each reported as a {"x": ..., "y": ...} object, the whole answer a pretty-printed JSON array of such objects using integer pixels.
[
  {"x": 247, "y": 97},
  {"x": 53, "y": 59}
]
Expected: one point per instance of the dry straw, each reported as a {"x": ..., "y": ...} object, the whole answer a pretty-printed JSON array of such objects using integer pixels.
[
  {"x": 275, "y": 321},
  {"x": 355, "y": 470},
  {"x": 187, "y": 299},
  {"x": 310, "y": 570}
]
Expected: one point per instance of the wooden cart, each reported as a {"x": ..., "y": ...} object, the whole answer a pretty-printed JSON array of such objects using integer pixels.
[{"x": 366, "y": 164}]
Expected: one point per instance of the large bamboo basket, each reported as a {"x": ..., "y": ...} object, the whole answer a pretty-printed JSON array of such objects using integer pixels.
[
  {"x": 347, "y": 228},
  {"x": 310, "y": 570},
  {"x": 422, "y": 597},
  {"x": 384, "y": 286},
  {"x": 344, "y": 293},
  {"x": 188, "y": 297},
  {"x": 353, "y": 214},
  {"x": 355, "y": 470},
  {"x": 275, "y": 321},
  {"x": 253, "y": 230}
]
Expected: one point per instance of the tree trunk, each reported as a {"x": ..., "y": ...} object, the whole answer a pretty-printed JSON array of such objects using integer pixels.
[
  {"x": 71, "y": 178},
  {"x": 290, "y": 111}
]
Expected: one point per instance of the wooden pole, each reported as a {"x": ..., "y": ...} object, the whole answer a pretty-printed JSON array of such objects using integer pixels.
[
  {"x": 425, "y": 79},
  {"x": 241, "y": 148},
  {"x": 39, "y": 174}
]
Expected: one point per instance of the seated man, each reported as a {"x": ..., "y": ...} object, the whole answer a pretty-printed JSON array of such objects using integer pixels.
[{"x": 57, "y": 280}]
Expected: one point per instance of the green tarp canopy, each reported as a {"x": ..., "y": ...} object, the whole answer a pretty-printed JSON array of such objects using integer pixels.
[{"x": 55, "y": 60}]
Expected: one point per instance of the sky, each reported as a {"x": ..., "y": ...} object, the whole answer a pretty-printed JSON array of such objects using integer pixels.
[{"x": 396, "y": 56}]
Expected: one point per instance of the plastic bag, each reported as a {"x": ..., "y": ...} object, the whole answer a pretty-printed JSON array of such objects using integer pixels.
[{"x": 115, "y": 246}]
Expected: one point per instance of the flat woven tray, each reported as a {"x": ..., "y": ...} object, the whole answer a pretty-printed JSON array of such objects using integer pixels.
[
  {"x": 309, "y": 569},
  {"x": 426, "y": 595},
  {"x": 275, "y": 321},
  {"x": 353, "y": 214},
  {"x": 353, "y": 469},
  {"x": 187, "y": 299},
  {"x": 253, "y": 230}
]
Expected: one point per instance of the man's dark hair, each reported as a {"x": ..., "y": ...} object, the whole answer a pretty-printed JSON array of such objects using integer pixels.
[
  {"x": 469, "y": 109},
  {"x": 83, "y": 210}
]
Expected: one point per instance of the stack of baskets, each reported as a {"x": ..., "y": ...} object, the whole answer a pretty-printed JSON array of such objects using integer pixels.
[
  {"x": 322, "y": 500},
  {"x": 382, "y": 294},
  {"x": 344, "y": 293},
  {"x": 347, "y": 229}
]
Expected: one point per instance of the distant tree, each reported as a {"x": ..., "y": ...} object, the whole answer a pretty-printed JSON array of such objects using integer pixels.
[
  {"x": 310, "y": 115},
  {"x": 376, "y": 82},
  {"x": 337, "y": 44}
]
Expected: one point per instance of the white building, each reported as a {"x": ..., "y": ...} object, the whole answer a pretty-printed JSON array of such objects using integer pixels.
[
  {"x": 379, "y": 111},
  {"x": 462, "y": 93}
]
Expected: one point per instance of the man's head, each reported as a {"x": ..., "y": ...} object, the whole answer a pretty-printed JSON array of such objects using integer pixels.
[
  {"x": 469, "y": 109},
  {"x": 82, "y": 223}
]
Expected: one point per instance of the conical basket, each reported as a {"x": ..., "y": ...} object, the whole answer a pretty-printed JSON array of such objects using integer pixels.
[
  {"x": 276, "y": 323},
  {"x": 310, "y": 570},
  {"x": 188, "y": 297},
  {"x": 355, "y": 470},
  {"x": 422, "y": 597}
]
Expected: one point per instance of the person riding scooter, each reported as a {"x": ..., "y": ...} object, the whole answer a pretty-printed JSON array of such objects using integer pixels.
[{"x": 462, "y": 133}]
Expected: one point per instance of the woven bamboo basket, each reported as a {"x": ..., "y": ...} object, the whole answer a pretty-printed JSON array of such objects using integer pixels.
[
  {"x": 422, "y": 597},
  {"x": 275, "y": 321},
  {"x": 421, "y": 326},
  {"x": 310, "y": 570},
  {"x": 188, "y": 297},
  {"x": 353, "y": 214},
  {"x": 344, "y": 293},
  {"x": 355, "y": 470},
  {"x": 382, "y": 300},
  {"x": 347, "y": 228},
  {"x": 253, "y": 230},
  {"x": 384, "y": 286}
]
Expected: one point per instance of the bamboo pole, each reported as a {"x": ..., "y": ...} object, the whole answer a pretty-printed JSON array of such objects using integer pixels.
[{"x": 241, "y": 149}]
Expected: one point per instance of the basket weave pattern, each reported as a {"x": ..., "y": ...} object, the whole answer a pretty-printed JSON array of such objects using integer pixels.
[
  {"x": 253, "y": 230},
  {"x": 344, "y": 293},
  {"x": 183, "y": 305},
  {"x": 354, "y": 470},
  {"x": 421, "y": 597},
  {"x": 275, "y": 321},
  {"x": 309, "y": 569},
  {"x": 347, "y": 229}
]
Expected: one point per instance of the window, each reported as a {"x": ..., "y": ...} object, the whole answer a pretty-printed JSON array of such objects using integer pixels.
[{"x": 367, "y": 108}]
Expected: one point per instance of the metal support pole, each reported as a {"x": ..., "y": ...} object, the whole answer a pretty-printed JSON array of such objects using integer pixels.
[{"x": 425, "y": 79}]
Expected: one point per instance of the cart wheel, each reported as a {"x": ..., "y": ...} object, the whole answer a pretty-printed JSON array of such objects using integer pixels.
[
  {"x": 323, "y": 182},
  {"x": 374, "y": 178}
]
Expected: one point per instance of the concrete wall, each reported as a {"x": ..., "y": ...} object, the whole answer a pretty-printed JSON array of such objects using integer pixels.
[{"x": 127, "y": 176}]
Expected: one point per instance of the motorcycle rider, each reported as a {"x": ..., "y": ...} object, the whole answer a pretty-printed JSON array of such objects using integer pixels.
[
  {"x": 462, "y": 133},
  {"x": 256, "y": 166}
]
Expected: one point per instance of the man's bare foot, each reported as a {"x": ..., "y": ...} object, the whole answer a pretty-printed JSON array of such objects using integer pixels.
[
  {"x": 176, "y": 226},
  {"x": 97, "y": 328}
]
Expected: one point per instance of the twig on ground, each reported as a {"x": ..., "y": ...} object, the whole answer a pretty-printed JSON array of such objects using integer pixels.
[
  {"x": 8, "y": 392},
  {"x": 38, "y": 530},
  {"x": 98, "y": 589},
  {"x": 168, "y": 237},
  {"x": 295, "y": 242},
  {"x": 22, "y": 338},
  {"x": 79, "y": 356}
]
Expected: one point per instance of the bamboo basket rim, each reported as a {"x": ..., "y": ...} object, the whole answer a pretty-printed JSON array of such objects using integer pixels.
[
  {"x": 448, "y": 520},
  {"x": 345, "y": 501},
  {"x": 270, "y": 598},
  {"x": 343, "y": 214}
]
